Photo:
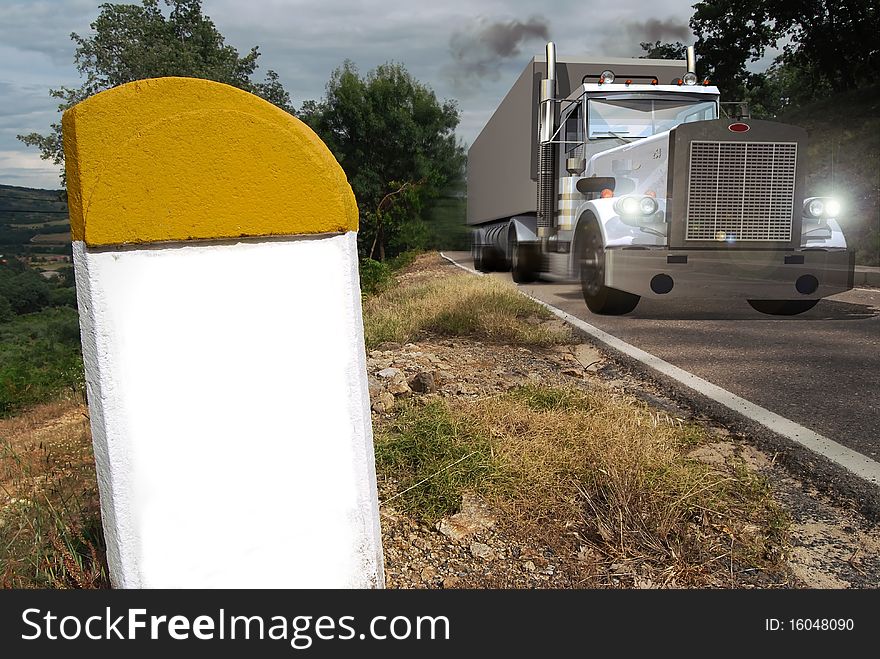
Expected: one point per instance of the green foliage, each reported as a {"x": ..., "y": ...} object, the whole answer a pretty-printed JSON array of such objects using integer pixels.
[
  {"x": 133, "y": 42},
  {"x": 843, "y": 160},
  {"x": 375, "y": 276},
  {"x": 397, "y": 145},
  {"x": 378, "y": 276},
  {"x": 830, "y": 45},
  {"x": 660, "y": 50},
  {"x": 6, "y": 312},
  {"x": 39, "y": 358},
  {"x": 25, "y": 291},
  {"x": 447, "y": 220}
]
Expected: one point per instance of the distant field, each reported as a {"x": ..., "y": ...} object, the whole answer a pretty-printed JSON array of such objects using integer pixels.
[
  {"x": 52, "y": 238},
  {"x": 33, "y": 222},
  {"x": 41, "y": 225}
]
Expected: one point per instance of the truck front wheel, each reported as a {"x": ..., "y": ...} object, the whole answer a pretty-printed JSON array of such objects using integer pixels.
[
  {"x": 600, "y": 298},
  {"x": 783, "y": 307}
]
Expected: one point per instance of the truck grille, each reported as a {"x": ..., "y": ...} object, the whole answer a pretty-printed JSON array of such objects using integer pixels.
[{"x": 741, "y": 191}]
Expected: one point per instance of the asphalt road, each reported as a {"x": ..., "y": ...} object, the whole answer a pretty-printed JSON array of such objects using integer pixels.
[{"x": 820, "y": 369}]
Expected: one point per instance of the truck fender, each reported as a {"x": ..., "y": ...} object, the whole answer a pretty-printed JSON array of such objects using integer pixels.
[
  {"x": 524, "y": 228},
  {"x": 835, "y": 240},
  {"x": 595, "y": 210}
]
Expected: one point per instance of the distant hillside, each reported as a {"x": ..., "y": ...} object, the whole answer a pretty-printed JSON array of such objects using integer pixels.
[
  {"x": 844, "y": 161},
  {"x": 34, "y": 223}
]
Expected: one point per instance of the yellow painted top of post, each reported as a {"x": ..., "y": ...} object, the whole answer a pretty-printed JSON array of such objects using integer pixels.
[{"x": 171, "y": 159}]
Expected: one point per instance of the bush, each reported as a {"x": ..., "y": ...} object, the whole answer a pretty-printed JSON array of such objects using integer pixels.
[{"x": 375, "y": 276}]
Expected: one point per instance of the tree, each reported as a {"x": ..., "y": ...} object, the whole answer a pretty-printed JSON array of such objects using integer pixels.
[
  {"x": 660, "y": 50},
  {"x": 397, "y": 145},
  {"x": 830, "y": 44},
  {"x": 133, "y": 42}
]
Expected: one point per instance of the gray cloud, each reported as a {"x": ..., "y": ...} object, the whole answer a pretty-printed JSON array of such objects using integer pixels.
[
  {"x": 478, "y": 53},
  {"x": 654, "y": 29},
  {"x": 625, "y": 40}
]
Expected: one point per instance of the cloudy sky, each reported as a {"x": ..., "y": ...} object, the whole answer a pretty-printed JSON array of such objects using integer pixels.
[{"x": 468, "y": 50}]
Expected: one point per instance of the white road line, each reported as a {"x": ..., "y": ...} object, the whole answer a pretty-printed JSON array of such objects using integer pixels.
[{"x": 860, "y": 465}]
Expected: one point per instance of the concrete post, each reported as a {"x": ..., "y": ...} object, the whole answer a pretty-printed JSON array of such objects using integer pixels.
[{"x": 217, "y": 280}]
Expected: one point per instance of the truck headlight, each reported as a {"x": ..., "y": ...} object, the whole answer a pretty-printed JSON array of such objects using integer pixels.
[
  {"x": 634, "y": 207},
  {"x": 821, "y": 207},
  {"x": 648, "y": 205},
  {"x": 629, "y": 206}
]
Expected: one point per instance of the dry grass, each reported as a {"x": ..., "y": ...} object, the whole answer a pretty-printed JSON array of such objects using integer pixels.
[
  {"x": 50, "y": 527},
  {"x": 458, "y": 305},
  {"x": 611, "y": 471}
]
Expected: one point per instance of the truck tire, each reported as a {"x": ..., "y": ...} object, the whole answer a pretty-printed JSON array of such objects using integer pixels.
[
  {"x": 525, "y": 260},
  {"x": 478, "y": 259},
  {"x": 783, "y": 307},
  {"x": 600, "y": 298}
]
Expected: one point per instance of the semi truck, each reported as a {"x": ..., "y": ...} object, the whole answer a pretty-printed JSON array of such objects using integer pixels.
[{"x": 625, "y": 174}]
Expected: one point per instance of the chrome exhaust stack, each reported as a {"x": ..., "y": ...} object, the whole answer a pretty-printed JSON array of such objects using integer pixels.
[
  {"x": 691, "y": 60},
  {"x": 546, "y": 161}
]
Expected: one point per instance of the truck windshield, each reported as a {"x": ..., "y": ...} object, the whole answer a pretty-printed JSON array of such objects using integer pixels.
[{"x": 643, "y": 117}]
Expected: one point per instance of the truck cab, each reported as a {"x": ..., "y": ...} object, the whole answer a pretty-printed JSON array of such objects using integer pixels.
[{"x": 642, "y": 188}]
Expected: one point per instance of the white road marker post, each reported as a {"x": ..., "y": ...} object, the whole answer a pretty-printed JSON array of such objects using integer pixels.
[{"x": 217, "y": 280}]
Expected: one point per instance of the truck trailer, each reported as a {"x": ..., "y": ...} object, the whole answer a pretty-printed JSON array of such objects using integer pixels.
[{"x": 625, "y": 174}]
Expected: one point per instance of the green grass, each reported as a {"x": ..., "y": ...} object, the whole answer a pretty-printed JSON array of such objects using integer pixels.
[{"x": 436, "y": 454}]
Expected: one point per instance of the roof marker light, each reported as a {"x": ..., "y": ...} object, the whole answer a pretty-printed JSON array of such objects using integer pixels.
[{"x": 738, "y": 127}]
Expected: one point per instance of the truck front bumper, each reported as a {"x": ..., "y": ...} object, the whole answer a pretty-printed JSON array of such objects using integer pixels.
[{"x": 750, "y": 274}]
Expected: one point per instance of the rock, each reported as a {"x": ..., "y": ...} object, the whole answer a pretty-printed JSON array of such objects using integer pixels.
[
  {"x": 423, "y": 382},
  {"x": 573, "y": 372},
  {"x": 399, "y": 387},
  {"x": 588, "y": 356},
  {"x": 529, "y": 566},
  {"x": 451, "y": 582},
  {"x": 429, "y": 573},
  {"x": 389, "y": 373},
  {"x": 374, "y": 385},
  {"x": 384, "y": 402},
  {"x": 388, "y": 345},
  {"x": 484, "y": 551},
  {"x": 474, "y": 517}
]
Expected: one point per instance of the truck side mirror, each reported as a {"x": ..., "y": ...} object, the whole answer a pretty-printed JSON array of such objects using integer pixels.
[{"x": 595, "y": 184}]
